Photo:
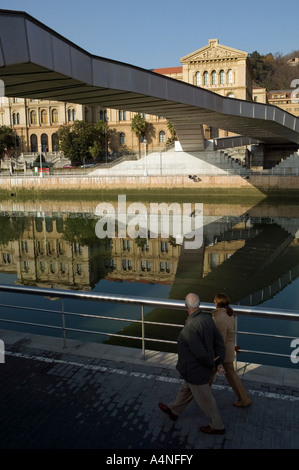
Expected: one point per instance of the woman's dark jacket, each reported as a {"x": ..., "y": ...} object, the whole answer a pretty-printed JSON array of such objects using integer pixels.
[{"x": 198, "y": 344}]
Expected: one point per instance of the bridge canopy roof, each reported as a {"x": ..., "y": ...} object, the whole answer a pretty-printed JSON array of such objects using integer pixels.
[{"x": 37, "y": 62}]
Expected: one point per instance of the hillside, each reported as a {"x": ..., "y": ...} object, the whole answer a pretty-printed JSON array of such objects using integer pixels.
[{"x": 272, "y": 71}]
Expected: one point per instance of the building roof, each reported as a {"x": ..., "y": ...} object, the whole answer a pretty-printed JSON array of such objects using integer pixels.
[
  {"x": 271, "y": 92},
  {"x": 167, "y": 70}
]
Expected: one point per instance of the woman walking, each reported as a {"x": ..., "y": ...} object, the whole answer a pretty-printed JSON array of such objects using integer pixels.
[{"x": 223, "y": 317}]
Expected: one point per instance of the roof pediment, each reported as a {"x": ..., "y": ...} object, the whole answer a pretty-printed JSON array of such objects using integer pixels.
[{"x": 214, "y": 50}]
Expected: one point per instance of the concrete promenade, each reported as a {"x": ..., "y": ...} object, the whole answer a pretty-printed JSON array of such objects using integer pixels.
[{"x": 93, "y": 396}]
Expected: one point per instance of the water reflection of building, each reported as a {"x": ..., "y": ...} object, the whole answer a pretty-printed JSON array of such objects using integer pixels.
[
  {"x": 152, "y": 260},
  {"x": 242, "y": 255},
  {"x": 43, "y": 257}
]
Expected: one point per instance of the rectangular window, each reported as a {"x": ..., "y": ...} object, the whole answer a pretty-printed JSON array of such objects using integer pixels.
[
  {"x": 122, "y": 115},
  {"x": 222, "y": 77},
  {"x": 26, "y": 266},
  {"x": 42, "y": 266}
]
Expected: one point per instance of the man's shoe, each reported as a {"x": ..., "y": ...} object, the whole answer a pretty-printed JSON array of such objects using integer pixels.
[
  {"x": 168, "y": 411},
  {"x": 209, "y": 430}
]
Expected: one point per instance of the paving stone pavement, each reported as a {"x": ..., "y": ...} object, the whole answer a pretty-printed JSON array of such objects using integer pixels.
[{"x": 58, "y": 400}]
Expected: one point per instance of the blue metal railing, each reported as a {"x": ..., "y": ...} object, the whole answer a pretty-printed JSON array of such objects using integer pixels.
[{"x": 141, "y": 302}]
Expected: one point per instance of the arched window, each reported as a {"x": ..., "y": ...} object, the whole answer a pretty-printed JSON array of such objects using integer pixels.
[
  {"x": 230, "y": 76},
  {"x": 222, "y": 77},
  {"x": 122, "y": 138},
  {"x": 71, "y": 115},
  {"x": 49, "y": 224},
  {"x": 162, "y": 137},
  {"x": 214, "y": 77},
  {"x": 33, "y": 143},
  {"x": 44, "y": 116},
  {"x": 205, "y": 78},
  {"x": 197, "y": 79},
  {"x": 33, "y": 119},
  {"x": 54, "y": 115},
  {"x": 54, "y": 140},
  {"x": 16, "y": 118},
  {"x": 103, "y": 115},
  {"x": 44, "y": 143},
  {"x": 230, "y": 95}
]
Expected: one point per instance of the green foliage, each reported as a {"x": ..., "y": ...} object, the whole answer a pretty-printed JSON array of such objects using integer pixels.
[
  {"x": 173, "y": 136},
  {"x": 83, "y": 140},
  {"x": 139, "y": 127},
  {"x": 37, "y": 160},
  {"x": 80, "y": 230},
  {"x": 262, "y": 67},
  {"x": 7, "y": 140},
  {"x": 100, "y": 144},
  {"x": 12, "y": 228},
  {"x": 272, "y": 71}
]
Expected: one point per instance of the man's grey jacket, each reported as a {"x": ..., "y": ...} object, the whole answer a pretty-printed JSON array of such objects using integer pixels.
[{"x": 198, "y": 344}]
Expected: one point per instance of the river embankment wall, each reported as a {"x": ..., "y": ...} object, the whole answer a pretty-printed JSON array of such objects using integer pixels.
[{"x": 230, "y": 184}]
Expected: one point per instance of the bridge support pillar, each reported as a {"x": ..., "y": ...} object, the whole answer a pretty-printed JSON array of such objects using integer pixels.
[{"x": 191, "y": 136}]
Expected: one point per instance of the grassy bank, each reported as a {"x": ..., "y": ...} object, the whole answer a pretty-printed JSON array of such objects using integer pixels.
[{"x": 217, "y": 194}]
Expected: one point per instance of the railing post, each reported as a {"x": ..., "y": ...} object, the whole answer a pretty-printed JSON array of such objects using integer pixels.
[
  {"x": 142, "y": 331},
  {"x": 63, "y": 323},
  {"x": 236, "y": 341}
]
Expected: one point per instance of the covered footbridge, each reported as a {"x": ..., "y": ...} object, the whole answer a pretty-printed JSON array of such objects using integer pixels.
[{"x": 37, "y": 62}]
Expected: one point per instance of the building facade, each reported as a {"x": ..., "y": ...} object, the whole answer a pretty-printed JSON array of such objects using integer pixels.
[
  {"x": 288, "y": 100},
  {"x": 35, "y": 122}
]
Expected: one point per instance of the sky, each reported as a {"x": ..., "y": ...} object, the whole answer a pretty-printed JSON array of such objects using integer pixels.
[{"x": 158, "y": 33}]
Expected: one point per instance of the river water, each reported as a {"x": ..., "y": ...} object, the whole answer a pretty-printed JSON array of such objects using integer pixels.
[{"x": 249, "y": 249}]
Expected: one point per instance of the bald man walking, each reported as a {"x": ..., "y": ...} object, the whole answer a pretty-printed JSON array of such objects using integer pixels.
[{"x": 200, "y": 348}]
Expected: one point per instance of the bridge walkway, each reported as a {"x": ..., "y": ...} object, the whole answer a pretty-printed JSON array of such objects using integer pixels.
[{"x": 104, "y": 397}]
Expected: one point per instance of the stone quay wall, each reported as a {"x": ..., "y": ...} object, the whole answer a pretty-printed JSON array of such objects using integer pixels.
[{"x": 253, "y": 184}]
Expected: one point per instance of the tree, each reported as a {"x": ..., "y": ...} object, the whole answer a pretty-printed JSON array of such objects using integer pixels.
[
  {"x": 172, "y": 131},
  {"x": 77, "y": 141},
  {"x": 7, "y": 140},
  {"x": 139, "y": 126},
  {"x": 262, "y": 66},
  {"x": 99, "y": 147},
  {"x": 272, "y": 71},
  {"x": 12, "y": 228},
  {"x": 80, "y": 230}
]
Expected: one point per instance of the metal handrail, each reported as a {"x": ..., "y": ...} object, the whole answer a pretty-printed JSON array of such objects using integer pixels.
[{"x": 138, "y": 301}]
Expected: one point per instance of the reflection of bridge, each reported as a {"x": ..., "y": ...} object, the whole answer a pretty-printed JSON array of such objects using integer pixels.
[
  {"x": 263, "y": 266},
  {"x": 36, "y": 62},
  {"x": 248, "y": 255}
]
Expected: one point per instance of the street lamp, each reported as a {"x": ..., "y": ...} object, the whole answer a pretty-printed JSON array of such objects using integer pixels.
[
  {"x": 40, "y": 161},
  {"x": 145, "y": 170}
]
